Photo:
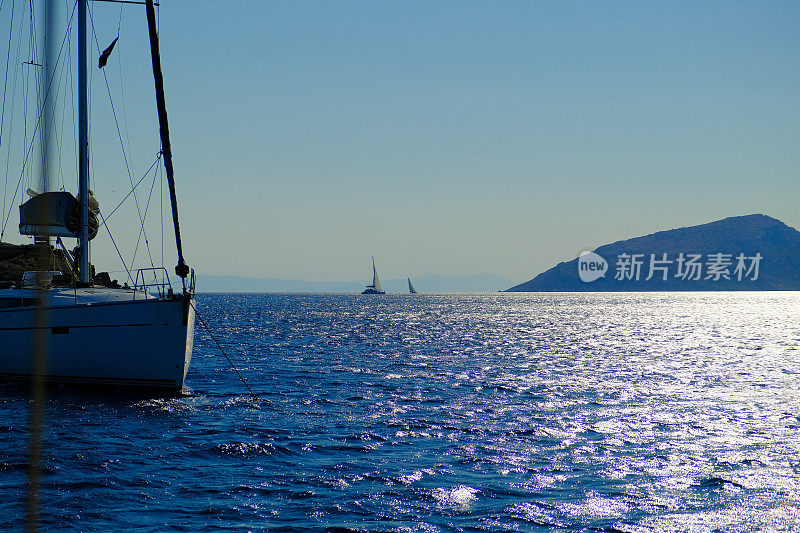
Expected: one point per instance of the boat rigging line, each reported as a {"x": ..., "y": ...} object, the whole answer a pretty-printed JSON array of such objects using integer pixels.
[
  {"x": 125, "y": 2},
  {"x": 110, "y": 236},
  {"x": 141, "y": 229},
  {"x": 119, "y": 135},
  {"x": 203, "y": 322},
  {"x": 5, "y": 85},
  {"x": 5, "y": 79},
  {"x": 38, "y": 124},
  {"x": 158, "y": 158}
]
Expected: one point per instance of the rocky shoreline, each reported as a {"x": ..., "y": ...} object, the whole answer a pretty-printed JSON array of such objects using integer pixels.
[{"x": 17, "y": 259}]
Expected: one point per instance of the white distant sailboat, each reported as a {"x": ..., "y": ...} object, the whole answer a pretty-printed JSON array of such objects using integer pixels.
[
  {"x": 375, "y": 288},
  {"x": 411, "y": 289},
  {"x": 79, "y": 332}
]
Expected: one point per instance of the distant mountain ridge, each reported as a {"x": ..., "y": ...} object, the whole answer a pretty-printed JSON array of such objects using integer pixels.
[
  {"x": 752, "y": 252},
  {"x": 423, "y": 283}
]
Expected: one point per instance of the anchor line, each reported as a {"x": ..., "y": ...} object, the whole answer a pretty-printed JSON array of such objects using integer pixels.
[{"x": 222, "y": 350}]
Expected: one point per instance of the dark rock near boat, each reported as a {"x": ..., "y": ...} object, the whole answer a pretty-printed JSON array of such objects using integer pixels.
[
  {"x": 745, "y": 253},
  {"x": 16, "y": 259},
  {"x": 104, "y": 279}
]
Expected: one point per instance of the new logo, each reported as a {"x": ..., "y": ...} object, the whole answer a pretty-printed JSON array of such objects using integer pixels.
[{"x": 591, "y": 266}]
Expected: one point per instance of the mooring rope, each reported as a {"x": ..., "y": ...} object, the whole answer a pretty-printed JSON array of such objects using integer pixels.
[{"x": 221, "y": 350}]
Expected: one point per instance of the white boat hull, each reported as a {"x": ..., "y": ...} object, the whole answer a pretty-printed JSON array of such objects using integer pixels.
[{"x": 137, "y": 343}]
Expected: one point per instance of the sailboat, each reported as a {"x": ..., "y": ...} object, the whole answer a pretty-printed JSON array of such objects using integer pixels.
[
  {"x": 78, "y": 331},
  {"x": 375, "y": 288},
  {"x": 411, "y": 289}
]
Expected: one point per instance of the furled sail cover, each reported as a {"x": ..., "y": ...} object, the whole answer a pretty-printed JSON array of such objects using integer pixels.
[{"x": 55, "y": 214}]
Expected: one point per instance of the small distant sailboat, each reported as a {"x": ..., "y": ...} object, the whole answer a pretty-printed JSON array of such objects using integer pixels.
[
  {"x": 411, "y": 289},
  {"x": 375, "y": 288}
]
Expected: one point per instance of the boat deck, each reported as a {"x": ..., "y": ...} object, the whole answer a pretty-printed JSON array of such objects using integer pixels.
[{"x": 69, "y": 296}]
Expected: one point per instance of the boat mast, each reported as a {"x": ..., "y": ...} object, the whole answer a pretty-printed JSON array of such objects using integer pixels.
[
  {"x": 182, "y": 269},
  {"x": 83, "y": 146},
  {"x": 48, "y": 104}
]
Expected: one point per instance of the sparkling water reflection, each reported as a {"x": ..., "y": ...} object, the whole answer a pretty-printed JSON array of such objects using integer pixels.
[{"x": 531, "y": 412}]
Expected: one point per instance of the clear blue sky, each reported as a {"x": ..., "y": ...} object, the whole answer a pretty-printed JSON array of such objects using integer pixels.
[{"x": 454, "y": 136}]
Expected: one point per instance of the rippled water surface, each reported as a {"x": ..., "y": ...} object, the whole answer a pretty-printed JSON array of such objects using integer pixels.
[{"x": 530, "y": 412}]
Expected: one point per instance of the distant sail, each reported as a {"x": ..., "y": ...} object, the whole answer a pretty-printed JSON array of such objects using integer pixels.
[
  {"x": 411, "y": 288},
  {"x": 376, "y": 283}
]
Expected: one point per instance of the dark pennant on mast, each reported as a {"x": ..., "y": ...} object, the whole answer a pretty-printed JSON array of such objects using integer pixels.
[{"x": 182, "y": 269}]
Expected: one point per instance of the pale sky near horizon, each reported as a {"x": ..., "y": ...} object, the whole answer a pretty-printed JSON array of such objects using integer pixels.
[{"x": 447, "y": 137}]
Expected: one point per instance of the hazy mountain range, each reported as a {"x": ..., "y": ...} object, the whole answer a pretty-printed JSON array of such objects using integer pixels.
[
  {"x": 423, "y": 283},
  {"x": 753, "y": 252},
  {"x": 745, "y": 253}
]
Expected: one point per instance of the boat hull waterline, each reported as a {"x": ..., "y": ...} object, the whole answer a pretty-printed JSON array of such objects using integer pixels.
[
  {"x": 373, "y": 291},
  {"x": 138, "y": 343}
]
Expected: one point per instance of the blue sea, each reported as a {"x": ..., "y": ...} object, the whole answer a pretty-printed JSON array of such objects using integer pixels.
[{"x": 637, "y": 412}]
